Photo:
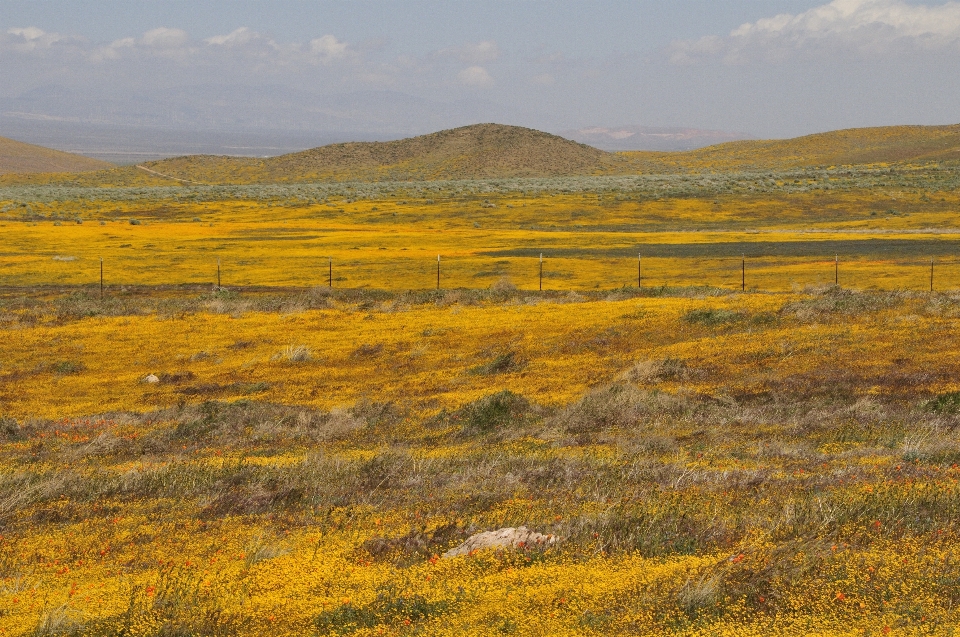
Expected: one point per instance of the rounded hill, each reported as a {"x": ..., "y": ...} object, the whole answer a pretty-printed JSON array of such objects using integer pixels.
[{"x": 470, "y": 152}]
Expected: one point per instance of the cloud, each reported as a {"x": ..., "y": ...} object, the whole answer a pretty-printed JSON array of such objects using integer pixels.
[
  {"x": 238, "y": 37},
  {"x": 475, "y": 76},
  {"x": 328, "y": 48},
  {"x": 30, "y": 39},
  {"x": 231, "y": 52},
  {"x": 29, "y": 34},
  {"x": 164, "y": 38},
  {"x": 864, "y": 27}
]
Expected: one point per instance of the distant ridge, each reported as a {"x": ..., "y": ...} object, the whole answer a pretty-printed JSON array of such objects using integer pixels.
[
  {"x": 485, "y": 151},
  {"x": 620, "y": 138},
  {"x": 470, "y": 152},
  {"x": 849, "y": 147},
  {"x": 493, "y": 151},
  {"x": 21, "y": 158}
]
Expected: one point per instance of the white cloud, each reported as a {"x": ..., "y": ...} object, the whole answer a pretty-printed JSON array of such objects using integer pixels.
[
  {"x": 849, "y": 16},
  {"x": 240, "y": 36},
  {"x": 29, "y": 33},
  {"x": 868, "y": 27},
  {"x": 475, "y": 76},
  {"x": 232, "y": 51},
  {"x": 31, "y": 38},
  {"x": 164, "y": 38},
  {"x": 328, "y": 48}
]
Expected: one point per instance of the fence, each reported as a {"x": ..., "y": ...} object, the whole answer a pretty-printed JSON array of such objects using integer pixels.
[{"x": 535, "y": 272}]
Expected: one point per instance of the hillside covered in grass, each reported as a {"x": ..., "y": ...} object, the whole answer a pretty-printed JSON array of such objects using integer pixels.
[
  {"x": 494, "y": 152},
  {"x": 470, "y": 152},
  {"x": 19, "y": 157},
  {"x": 851, "y": 147}
]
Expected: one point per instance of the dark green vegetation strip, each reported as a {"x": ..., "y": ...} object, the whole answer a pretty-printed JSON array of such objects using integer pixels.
[
  {"x": 934, "y": 178},
  {"x": 301, "y": 237},
  {"x": 827, "y": 248}
]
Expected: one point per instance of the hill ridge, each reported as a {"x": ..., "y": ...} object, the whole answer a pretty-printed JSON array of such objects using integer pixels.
[
  {"x": 496, "y": 151},
  {"x": 844, "y": 147},
  {"x": 18, "y": 157},
  {"x": 468, "y": 152}
]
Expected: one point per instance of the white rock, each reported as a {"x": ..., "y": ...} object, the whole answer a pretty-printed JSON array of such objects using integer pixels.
[
  {"x": 520, "y": 537},
  {"x": 151, "y": 378}
]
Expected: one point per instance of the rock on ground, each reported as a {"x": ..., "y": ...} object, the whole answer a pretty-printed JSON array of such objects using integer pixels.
[{"x": 520, "y": 537}]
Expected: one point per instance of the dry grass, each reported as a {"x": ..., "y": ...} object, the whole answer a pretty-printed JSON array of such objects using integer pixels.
[{"x": 687, "y": 498}]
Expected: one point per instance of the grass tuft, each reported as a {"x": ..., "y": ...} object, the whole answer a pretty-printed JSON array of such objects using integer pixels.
[
  {"x": 496, "y": 413},
  {"x": 295, "y": 354},
  {"x": 504, "y": 363}
]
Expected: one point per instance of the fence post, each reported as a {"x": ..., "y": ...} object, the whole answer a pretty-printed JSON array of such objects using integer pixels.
[
  {"x": 330, "y": 273},
  {"x": 639, "y": 271},
  {"x": 438, "y": 271},
  {"x": 541, "y": 272}
]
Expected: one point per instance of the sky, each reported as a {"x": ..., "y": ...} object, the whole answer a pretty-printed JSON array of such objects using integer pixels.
[{"x": 767, "y": 68}]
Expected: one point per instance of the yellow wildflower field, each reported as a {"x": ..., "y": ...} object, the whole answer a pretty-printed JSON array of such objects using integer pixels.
[
  {"x": 276, "y": 456},
  {"x": 589, "y": 242},
  {"x": 712, "y": 464}
]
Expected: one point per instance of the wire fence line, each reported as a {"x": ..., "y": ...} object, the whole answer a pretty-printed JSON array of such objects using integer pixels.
[{"x": 538, "y": 271}]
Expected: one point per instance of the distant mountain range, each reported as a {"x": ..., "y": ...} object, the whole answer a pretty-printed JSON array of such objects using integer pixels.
[
  {"x": 248, "y": 108},
  {"x": 227, "y": 119},
  {"x": 272, "y": 120},
  {"x": 120, "y": 144},
  {"x": 648, "y": 138}
]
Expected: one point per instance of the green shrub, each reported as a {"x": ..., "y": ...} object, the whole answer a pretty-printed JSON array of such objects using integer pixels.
[
  {"x": 388, "y": 609},
  {"x": 945, "y": 403},
  {"x": 65, "y": 368},
  {"x": 713, "y": 318},
  {"x": 503, "y": 363},
  {"x": 493, "y": 413}
]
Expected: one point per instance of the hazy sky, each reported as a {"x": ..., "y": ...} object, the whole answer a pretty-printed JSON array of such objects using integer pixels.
[{"x": 766, "y": 67}]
